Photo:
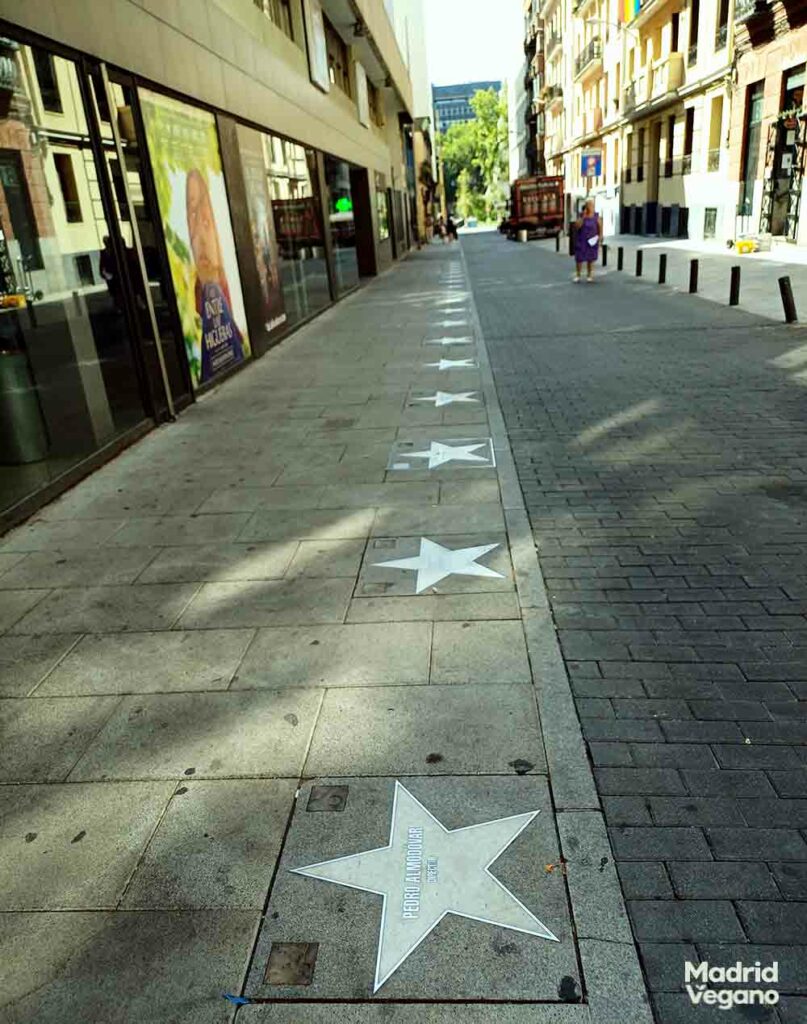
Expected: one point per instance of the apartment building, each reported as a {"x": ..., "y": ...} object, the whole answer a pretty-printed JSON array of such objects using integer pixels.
[
  {"x": 768, "y": 144},
  {"x": 180, "y": 186},
  {"x": 636, "y": 101},
  {"x": 529, "y": 84}
]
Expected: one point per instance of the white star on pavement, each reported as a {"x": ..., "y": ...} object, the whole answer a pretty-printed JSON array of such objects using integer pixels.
[
  {"x": 427, "y": 871},
  {"x": 450, "y": 341},
  {"x": 450, "y": 364},
  {"x": 440, "y": 453},
  {"x": 435, "y": 563},
  {"x": 448, "y": 397}
]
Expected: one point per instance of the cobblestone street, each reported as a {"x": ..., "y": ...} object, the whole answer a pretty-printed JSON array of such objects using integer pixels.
[{"x": 660, "y": 446}]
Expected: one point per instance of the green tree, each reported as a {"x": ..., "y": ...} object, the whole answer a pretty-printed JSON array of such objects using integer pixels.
[{"x": 479, "y": 149}]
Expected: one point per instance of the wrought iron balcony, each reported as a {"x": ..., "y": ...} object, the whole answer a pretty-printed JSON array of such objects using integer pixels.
[
  {"x": 721, "y": 36},
  {"x": 552, "y": 43},
  {"x": 745, "y": 10},
  {"x": 590, "y": 55}
]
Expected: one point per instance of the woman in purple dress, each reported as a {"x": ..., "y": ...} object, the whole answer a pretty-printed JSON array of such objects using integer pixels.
[{"x": 587, "y": 241}]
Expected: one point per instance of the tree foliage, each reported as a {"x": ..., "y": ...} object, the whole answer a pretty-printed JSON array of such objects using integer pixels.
[{"x": 474, "y": 157}]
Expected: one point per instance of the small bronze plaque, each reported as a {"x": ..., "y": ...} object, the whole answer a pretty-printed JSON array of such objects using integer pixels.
[
  {"x": 327, "y": 798},
  {"x": 291, "y": 963}
]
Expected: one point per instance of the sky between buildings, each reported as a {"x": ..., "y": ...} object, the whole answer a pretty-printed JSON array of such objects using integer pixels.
[{"x": 473, "y": 40}]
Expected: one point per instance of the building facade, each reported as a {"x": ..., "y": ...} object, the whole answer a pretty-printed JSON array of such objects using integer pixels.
[
  {"x": 768, "y": 143},
  {"x": 452, "y": 103},
  {"x": 177, "y": 192},
  {"x": 531, "y": 80},
  {"x": 640, "y": 104}
]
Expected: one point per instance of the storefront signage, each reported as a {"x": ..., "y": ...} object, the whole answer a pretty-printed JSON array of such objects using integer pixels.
[
  {"x": 192, "y": 196},
  {"x": 591, "y": 163},
  {"x": 317, "y": 48}
]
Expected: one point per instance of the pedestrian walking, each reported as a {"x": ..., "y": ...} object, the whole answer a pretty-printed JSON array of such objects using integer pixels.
[
  {"x": 587, "y": 241},
  {"x": 451, "y": 230}
]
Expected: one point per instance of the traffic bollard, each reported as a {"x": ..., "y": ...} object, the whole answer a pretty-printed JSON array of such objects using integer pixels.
[
  {"x": 662, "y": 268},
  {"x": 557, "y": 242},
  {"x": 639, "y": 255},
  {"x": 620, "y": 257},
  {"x": 605, "y": 255},
  {"x": 734, "y": 290},
  {"x": 787, "y": 300},
  {"x": 693, "y": 276}
]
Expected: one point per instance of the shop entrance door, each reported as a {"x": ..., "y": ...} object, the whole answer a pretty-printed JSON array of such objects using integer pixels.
[{"x": 143, "y": 251}]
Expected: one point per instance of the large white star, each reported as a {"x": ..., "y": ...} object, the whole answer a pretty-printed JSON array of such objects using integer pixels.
[
  {"x": 439, "y": 453},
  {"x": 427, "y": 871},
  {"x": 451, "y": 364},
  {"x": 448, "y": 397},
  {"x": 435, "y": 563}
]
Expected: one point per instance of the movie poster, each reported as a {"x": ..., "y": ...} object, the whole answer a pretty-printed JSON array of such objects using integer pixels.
[
  {"x": 262, "y": 227},
  {"x": 192, "y": 196}
]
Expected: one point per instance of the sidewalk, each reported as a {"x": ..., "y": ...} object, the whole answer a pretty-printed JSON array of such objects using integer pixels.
[
  {"x": 220, "y": 652},
  {"x": 760, "y": 272}
]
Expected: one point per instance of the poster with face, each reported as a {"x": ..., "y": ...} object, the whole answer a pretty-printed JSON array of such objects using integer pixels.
[
  {"x": 186, "y": 161},
  {"x": 262, "y": 227}
]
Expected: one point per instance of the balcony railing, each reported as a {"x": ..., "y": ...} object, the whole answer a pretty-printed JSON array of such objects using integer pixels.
[
  {"x": 692, "y": 55},
  {"x": 686, "y": 163},
  {"x": 554, "y": 96},
  {"x": 635, "y": 93},
  {"x": 668, "y": 75},
  {"x": 552, "y": 43},
  {"x": 721, "y": 36},
  {"x": 713, "y": 160},
  {"x": 592, "y": 53}
]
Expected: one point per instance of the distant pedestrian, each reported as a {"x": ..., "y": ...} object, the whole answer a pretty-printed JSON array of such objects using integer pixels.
[
  {"x": 441, "y": 228},
  {"x": 587, "y": 241},
  {"x": 451, "y": 230}
]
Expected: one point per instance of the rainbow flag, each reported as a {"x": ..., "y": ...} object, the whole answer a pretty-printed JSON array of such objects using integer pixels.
[{"x": 628, "y": 9}]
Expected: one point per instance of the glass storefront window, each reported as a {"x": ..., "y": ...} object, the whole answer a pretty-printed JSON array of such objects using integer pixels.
[
  {"x": 342, "y": 223},
  {"x": 298, "y": 228},
  {"x": 68, "y": 381}
]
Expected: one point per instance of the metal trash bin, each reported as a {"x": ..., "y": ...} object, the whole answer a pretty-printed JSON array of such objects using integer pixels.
[
  {"x": 23, "y": 437},
  {"x": 522, "y": 234}
]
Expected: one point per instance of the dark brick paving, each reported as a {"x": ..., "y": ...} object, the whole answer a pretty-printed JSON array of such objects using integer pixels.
[{"x": 661, "y": 443}]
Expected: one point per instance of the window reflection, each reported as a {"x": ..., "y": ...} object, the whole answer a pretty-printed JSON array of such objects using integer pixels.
[
  {"x": 67, "y": 381},
  {"x": 342, "y": 223}
]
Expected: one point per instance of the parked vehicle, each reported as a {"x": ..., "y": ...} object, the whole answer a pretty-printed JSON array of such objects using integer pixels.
[{"x": 536, "y": 206}]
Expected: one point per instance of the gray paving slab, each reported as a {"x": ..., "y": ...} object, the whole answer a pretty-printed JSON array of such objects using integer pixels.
[
  {"x": 479, "y": 652},
  {"x": 219, "y": 563},
  {"x": 208, "y": 735},
  {"x": 304, "y": 524},
  {"x": 441, "y": 519},
  {"x": 167, "y": 531},
  {"x": 40, "y": 535},
  {"x": 414, "y": 731},
  {"x": 148, "y": 662},
  {"x": 78, "y": 568},
  {"x": 106, "y": 609},
  {"x": 74, "y": 847},
  {"x": 383, "y": 581},
  {"x": 171, "y": 966},
  {"x": 469, "y": 492},
  {"x": 434, "y": 608},
  {"x": 215, "y": 847},
  {"x": 43, "y": 739},
  {"x": 26, "y": 660},
  {"x": 15, "y": 603},
  {"x": 371, "y": 495},
  {"x": 120, "y": 502},
  {"x": 460, "y": 958},
  {"x": 379, "y": 654},
  {"x": 297, "y": 601},
  {"x": 250, "y": 499},
  {"x": 324, "y": 558},
  {"x": 8, "y": 559}
]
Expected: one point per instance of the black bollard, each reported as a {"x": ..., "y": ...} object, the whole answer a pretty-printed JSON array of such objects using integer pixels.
[
  {"x": 639, "y": 255},
  {"x": 604, "y": 255},
  {"x": 662, "y": 268},
  {"x": 734, "y": 290},
  {"x": 693, "y": 276},
  {"x": 620, "y": 257},
  {"x": 557, "y": 242},
  {"x": 787, "y": 300}
]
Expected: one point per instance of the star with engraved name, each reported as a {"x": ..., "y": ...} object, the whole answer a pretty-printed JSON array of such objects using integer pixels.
[
  {"x": 453, "y": 364},
  {"x": 439, "y": 453},
  {"x": 441, "y": 398},
  {"x": 434, "y": 563},
  {"x": 427, "y": 871}
]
